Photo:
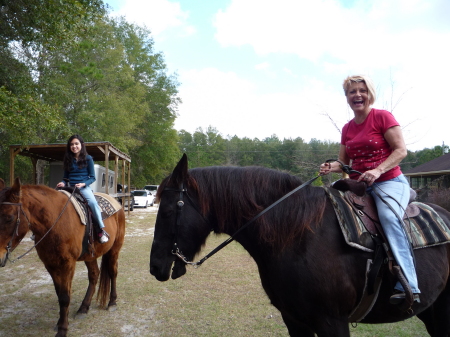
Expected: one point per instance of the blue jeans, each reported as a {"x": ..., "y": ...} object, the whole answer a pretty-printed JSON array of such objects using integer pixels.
[
  {"x": 93, "y": 205},
  {"x": 398, "y": 189}
]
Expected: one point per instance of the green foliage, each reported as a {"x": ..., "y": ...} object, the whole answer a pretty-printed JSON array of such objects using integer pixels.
[
  {"x": 26, "y": 119},
  {"x": 300, "y": 158},
  {"x": 209, "y": 148},
  {"x": 66, "y": 68},
  {"x": 37, "y": 21}
]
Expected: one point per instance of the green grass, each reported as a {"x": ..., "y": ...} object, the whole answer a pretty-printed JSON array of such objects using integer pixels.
[{"x": 223, "y": 297}]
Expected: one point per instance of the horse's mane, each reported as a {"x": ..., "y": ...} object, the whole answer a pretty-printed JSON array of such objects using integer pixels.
[{"x": 237, "y": 194}]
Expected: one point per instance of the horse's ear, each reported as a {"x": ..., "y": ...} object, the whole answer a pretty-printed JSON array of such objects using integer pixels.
[
  {"x": 180, "y": 172},
  {"x": 2, "y": 184},
  {"x": 15, "y": 191}
]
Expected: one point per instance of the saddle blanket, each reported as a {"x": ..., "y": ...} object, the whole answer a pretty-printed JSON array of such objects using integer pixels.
[
  {"x": 424, "y": 230},
  {"x": 108, "y": 205}
]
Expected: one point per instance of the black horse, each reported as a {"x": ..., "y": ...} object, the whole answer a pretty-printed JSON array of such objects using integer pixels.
[{"x": 308, "y": 271}]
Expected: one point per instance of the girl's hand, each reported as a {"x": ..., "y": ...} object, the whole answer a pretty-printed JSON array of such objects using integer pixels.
[
  {"x": 61, "y": 184},
  {"x": 80, "y": 185}
]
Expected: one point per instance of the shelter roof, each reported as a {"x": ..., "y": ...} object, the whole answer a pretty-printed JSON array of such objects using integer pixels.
[
  {"x": 55, "y": 152},
  {"x": 440, "y": 165}
]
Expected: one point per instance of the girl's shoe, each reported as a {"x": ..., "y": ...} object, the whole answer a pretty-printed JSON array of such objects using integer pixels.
[{"x": 103, "y": 237}]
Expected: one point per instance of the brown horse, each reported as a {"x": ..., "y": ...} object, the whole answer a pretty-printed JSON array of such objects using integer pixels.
[
  {"x": 308, "y": 271},
  {"x": 59, "y": 233}
]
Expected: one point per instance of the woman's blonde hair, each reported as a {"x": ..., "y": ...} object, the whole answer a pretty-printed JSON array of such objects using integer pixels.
[{"x": 361, "y": 78}]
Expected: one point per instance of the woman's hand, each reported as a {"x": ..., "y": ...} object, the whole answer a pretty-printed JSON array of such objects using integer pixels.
[
  {"x": 61, "y": 184},
  {"x": 325, "y": 168},
  {"x": 80, "y": 185},
  {"x": 370, "y": 176}
]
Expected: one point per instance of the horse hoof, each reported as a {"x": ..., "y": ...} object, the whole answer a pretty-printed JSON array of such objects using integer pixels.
[
  {"x": 60, "y": 333},
  {"x": 112, "y": 308}
]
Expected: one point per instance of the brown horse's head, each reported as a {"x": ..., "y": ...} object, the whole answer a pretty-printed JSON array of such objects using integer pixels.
[{"x": 13, "y": 223}]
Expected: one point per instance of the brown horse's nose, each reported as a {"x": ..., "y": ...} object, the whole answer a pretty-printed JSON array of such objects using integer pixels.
[{"x": 3, "y": 260}]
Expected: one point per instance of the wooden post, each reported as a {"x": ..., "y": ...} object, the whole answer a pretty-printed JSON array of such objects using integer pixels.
[
  {"x": 12, "y": 155},
  {"x": 34, "y": 161},
  {"x": 107, "y": 168},
  {"x": 129, "y": 184},
  {"x": 116, "y": 173}
]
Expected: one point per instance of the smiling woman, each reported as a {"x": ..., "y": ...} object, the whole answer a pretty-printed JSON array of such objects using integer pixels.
[{"x": 372, "y": 143}]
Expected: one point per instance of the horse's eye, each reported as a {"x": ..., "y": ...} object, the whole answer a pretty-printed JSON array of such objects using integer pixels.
[{"x": 7, "y": 219}]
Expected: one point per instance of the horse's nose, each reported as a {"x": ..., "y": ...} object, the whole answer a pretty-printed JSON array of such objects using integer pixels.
[{"x": 3, "y": 260}]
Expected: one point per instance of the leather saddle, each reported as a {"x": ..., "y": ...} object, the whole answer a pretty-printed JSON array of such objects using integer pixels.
[{"x": 364, "y": 205}]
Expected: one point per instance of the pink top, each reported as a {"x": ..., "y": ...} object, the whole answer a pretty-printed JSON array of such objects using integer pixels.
[{"x": 365, "y": 143}]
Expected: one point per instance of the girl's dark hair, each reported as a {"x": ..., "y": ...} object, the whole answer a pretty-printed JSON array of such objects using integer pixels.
[{"x": 68, "y": 156}]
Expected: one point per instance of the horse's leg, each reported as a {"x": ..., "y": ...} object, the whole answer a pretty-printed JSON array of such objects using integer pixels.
[
  {"x": 329, "y": 328},
  {"x": 297, "y": 329},
  {"x": 62, "y": 280},
  {"x": 333, "y": 327},
  {"x": 437, "y": 317},
  {"x": 93, "y": 272}
]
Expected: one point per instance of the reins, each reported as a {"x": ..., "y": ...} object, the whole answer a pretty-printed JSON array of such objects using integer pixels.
[
  {"x": 16, "y": 229},
  {"x": 176, "y": 251}
]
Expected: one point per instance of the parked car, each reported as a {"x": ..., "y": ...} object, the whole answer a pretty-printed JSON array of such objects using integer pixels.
[
  {"x": 142, "y": 198},
  {"x": 119, "y": 199},
  {"x": 151, "y": 188}
]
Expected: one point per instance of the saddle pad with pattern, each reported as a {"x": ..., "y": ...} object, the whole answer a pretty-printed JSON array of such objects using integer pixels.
[
  {"x": 108, "y": 205},
  {"x": 424, "y": 230}
]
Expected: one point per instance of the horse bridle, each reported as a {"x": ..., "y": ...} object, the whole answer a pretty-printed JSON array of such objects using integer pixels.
[
  {"x": 180, "y": 203},
  {"x": 9, "y": 248}
]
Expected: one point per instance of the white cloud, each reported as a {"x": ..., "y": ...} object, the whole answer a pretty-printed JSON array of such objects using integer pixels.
[
  {"x": 158, "y": 15},
  {"x": 263, "y": 65},
  {"x": 379, "y": 33},
  {"x": 233, "y": 106}
]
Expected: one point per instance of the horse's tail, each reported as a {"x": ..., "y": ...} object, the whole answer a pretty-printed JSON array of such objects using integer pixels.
[{"x": 104, "y": 286}]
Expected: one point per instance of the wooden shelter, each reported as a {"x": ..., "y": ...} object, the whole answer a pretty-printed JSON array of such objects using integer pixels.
[{"x": 100, "y": 151}]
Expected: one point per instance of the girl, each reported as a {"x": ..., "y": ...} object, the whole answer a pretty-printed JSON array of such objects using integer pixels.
[{"x": 79, "y": 171}]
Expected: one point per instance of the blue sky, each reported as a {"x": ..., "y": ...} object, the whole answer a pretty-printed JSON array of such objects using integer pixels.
[{"x": 256, "y": 68}]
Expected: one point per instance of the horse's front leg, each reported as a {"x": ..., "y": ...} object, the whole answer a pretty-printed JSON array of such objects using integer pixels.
[
  {"x": 328, "y": 327},
  {"x": 332, "y": 327},
  {"x": 62, "y": 280},
  {"x": 297, "y": 329},
  {"x": 93, "y": 272}
]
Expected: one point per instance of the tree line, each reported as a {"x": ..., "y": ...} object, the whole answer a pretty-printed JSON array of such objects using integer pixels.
[
  {"x": 67, "y": 67},
  {"x": 296, "y": 156}
]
